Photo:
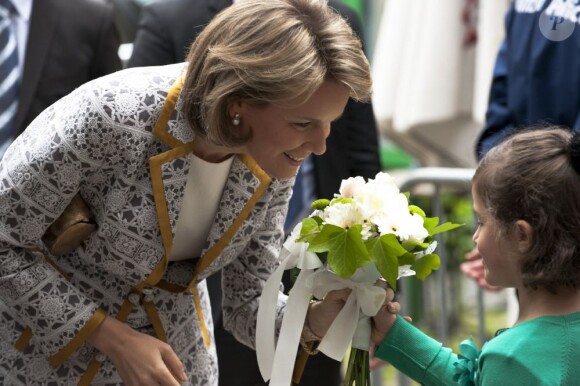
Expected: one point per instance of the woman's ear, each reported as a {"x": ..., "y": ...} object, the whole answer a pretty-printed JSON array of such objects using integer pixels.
[
  {"x": 235, "y": 107},
  {"x": 524, "y": 234}
]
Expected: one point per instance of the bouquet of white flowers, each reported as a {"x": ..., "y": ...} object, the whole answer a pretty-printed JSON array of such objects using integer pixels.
[{"x": 368, "y": 231}]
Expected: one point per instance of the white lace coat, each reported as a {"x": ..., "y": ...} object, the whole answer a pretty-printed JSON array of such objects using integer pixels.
[{"x": 100, "y": 141}]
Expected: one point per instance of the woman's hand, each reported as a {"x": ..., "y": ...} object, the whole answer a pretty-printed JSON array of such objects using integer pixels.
[
  {"x": 322, "y": 314},
  {"x": 140, "y": 359}
]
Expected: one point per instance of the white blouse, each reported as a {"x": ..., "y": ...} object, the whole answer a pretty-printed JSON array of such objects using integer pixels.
[{"x": 203, "y": 191}]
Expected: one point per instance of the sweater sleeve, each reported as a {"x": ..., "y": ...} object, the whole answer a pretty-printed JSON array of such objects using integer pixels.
[
  {"x": 499, "y": 118},
  {"x": 417, "y": 355}
]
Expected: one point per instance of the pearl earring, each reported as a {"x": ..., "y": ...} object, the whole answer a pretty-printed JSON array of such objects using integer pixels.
[{"x": 236, "y": 119}]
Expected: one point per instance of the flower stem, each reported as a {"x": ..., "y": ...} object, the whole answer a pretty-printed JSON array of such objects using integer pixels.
[{"x": 358, "y": 369}]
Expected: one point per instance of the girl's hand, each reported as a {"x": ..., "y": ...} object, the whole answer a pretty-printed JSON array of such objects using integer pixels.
[
  {"x": 384, "y": 320},
  {"x": 140, "y": 359}
]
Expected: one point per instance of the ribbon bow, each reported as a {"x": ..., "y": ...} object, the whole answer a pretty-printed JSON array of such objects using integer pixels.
[
  {"x": 353, "y": 320},
  {"x": 466, "y": 365}
]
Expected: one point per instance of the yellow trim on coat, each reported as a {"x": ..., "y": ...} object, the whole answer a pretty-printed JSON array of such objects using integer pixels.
[
  {"x": 179, "y": 149},
  {"x": 170, "y": 287},
  {"x": 160, "y": 129},
  {"x": 156, "y": 163},
  {"x": 155, "y": 320},
  {"x": 22, "y": 342},
  {"x": 76, "y": 342},
  {"x": 94, "y": 364},
  {"x": 203, "y": 327},
  {"x": 90, "y": 372},
  {"x": 124, "y": 311}
]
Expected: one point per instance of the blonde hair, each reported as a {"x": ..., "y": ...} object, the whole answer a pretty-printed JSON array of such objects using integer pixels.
[{"x": 264, "y": 52}]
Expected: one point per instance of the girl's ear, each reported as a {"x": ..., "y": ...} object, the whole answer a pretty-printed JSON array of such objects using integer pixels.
[{"x": 524, "y": 235}]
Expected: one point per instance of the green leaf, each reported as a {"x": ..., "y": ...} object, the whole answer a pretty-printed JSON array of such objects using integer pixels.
[
  {"x": 425, "y": 265},
  {"x": 385, "y": 252},
  {"x": 310, "y": 229},
  {"x": 444, "y": 228},
  {"x": 416, "y": 209},
  {"x": 430, "y": 223},
  {"x": 341, "y": 200},
  {"x": 320, "y": 204},
  {"x": 412, "y": 245},
  {"x": 407, "y": 259},
  {"x": 309, "y": 225},
  {"x": 346, "y": 250}
]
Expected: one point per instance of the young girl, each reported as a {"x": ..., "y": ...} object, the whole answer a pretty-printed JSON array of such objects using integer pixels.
[{"x": 526, "y": 195}]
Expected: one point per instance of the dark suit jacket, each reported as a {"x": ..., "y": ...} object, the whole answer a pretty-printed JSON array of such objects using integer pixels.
[
  {"x": 352, "y": 146},
  {"x": 166, "y": 30},
  {"x": 168, "y": 27},
  {"x": 69, "y": 43}
]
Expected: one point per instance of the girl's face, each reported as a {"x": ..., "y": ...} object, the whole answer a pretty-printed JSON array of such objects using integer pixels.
[
  {"x": 282, "y": 137},
  {"x": 497, "y": 249}
]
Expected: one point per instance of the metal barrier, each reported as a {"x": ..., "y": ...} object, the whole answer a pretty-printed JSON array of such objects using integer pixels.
[{"x": 436, "y": 180}]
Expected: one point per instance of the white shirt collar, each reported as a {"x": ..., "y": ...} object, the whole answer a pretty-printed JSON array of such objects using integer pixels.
[{"x": 24, "y": 8}]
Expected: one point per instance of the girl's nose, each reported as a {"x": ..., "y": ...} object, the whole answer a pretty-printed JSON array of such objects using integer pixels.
[{"x": 475, "y": 235}]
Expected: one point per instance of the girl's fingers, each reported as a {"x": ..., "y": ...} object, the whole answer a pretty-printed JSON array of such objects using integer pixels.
[
  {"x": 393, "y": 307},
  {"x": 390, "y": 293}
]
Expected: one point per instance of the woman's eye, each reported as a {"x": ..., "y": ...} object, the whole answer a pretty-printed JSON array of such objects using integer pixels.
[{"x": 302, "y": 125}]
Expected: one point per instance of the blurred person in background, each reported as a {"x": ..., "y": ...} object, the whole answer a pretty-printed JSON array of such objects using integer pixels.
[
  {"x": 47, "y": 49},
  {"x": 536, "y": 81}
]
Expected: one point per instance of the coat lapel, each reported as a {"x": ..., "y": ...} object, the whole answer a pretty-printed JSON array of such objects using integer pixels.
[
  {"x": 162, "y": 169},
  {"x": 246, "y": 184}
]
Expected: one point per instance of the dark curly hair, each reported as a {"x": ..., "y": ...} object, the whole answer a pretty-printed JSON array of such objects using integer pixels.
[{"x": 531, "y": 176}]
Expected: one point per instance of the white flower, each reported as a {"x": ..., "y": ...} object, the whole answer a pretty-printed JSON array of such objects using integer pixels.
[
  {"x": 411, "y": 228},
  {"x": 380, "y": 196},
  {"x": 342, "y": 215},
  {"x": 385, "y": 183},
  {"x": 395, "y": 218},
  {"x": 351, "y": 186},
  {"x": 405, "y": 270}
]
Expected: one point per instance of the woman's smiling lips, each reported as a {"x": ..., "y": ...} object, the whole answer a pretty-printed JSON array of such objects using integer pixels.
[{"x": 295, "y": 160}]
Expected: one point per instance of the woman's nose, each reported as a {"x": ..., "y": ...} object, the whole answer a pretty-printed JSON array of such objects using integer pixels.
[{"x": 318, "y": 139}]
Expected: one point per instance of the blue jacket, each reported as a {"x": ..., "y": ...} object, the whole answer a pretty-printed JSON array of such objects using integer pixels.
[{"x": 536, "y": 79}]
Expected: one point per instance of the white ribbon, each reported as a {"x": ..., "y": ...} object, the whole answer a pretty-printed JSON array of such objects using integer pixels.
[
  {"x": 276, "y": 362},
  {"x": 365, "y": 297}
]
